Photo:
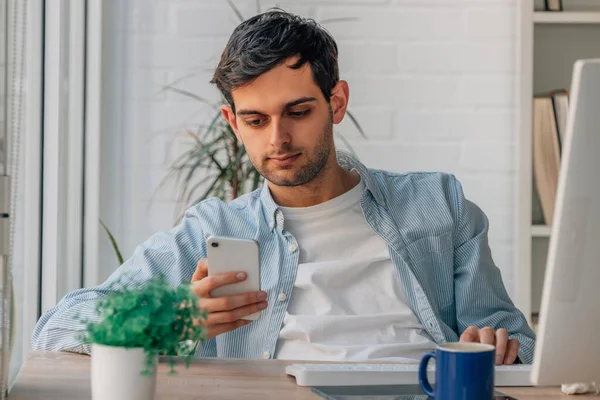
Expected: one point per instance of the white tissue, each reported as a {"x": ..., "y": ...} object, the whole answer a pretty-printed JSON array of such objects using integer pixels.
[{"x": 580, "y": 388}]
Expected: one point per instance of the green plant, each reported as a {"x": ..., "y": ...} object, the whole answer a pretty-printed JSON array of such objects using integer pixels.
[
  {"x": 113, "y": 243},
  {"x": 152, "y": 315}
]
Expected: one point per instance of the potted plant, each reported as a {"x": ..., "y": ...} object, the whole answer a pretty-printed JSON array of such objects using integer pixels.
[{"x": 134, "y": 324}]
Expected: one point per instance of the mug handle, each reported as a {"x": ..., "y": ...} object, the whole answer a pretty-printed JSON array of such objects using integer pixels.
[{"x": 423, "y": 374}]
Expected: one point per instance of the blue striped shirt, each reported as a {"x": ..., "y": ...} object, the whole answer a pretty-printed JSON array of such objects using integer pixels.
[{"x": 437, "y": 240}]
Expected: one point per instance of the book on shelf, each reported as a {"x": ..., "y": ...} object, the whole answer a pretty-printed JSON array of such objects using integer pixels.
[
  {"x": 560, "y": 104},
  {"x": 553, "y": 5},
  {"x": 537, "y": 215},
  {"x": 550, "y": 112}
]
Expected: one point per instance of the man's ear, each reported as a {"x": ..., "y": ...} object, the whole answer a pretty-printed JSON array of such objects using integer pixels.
[
  {"x": 229, "y": 115},
  {"x": 339, "y": 101}
]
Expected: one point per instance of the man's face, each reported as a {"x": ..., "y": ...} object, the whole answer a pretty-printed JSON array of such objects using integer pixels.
[{"x": 285, "y": 124}]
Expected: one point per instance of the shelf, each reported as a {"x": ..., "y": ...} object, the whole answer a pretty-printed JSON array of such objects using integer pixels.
[
  {"x": 540, "y": 231},
  {"x": 566, "y": 17}
]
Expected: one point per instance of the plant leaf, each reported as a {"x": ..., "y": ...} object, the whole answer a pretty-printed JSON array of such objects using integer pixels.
[
  {"x": 211, "y": 187},
  {"x": 330, "y": 20},
  {"x": 189, "y": 75},
  {"x": 197, "y": 156},
  {"x": 196, "y": 186},
  {"x": 256, "y": 180},
  {"x": 346, "y": 143},
  {"x": 236, "y": 11},
  {"x": 231, "y": 132},
  {"x": 188, "y": 94},
  {"x": 214, "y": 160},
  {"x": 355, "y": 121},
  {"x": 113, "y": 243},
  {"x": 212, "y": 124}
]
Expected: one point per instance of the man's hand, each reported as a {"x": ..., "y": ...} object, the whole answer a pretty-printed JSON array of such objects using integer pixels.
[
  {"x": 224, "y": 313},
  {"x": 506, "y": 350}
]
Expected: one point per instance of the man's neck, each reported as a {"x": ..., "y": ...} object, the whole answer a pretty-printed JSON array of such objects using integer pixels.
[{"x": 330, "y": 183}]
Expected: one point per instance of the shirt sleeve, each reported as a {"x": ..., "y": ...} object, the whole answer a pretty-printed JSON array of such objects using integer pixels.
[
  {"x": 173, "y": 254},
  {"x": 480, "y": 294}
]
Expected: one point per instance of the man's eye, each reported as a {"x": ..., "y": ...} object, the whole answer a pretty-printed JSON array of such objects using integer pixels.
[
  {"x": 299, "y": 113},
  {"x": 254, "y": 122}
]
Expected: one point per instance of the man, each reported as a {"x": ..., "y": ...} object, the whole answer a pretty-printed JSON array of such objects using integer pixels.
[{"x": 356, "y": 263}]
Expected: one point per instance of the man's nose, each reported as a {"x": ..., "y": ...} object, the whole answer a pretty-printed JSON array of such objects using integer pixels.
[{"x": 279, "y": 135}]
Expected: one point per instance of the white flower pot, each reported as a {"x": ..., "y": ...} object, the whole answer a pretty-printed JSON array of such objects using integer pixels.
[{"x": 116, "y": 374}]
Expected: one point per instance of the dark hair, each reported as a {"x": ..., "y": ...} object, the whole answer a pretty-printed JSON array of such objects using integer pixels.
[{"x": 266, "y": 40}]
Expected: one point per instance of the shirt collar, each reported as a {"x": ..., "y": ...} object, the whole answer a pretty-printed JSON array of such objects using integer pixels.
[{"x": 347, "y": 161}]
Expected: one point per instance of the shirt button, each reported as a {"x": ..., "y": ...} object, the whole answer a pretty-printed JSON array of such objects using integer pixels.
[
  {"x": 282, "y": 297},
  {"x": 271, "y": 224},
  {"x": 266, "y": 355},
  {"x": 292, "y": 248}
]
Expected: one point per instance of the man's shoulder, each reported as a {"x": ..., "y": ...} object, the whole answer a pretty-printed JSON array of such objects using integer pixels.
[
  {"x": 410, "y": 193},
  {"x": 423, "y": 203},
  {"x": 418, "y": 182}
]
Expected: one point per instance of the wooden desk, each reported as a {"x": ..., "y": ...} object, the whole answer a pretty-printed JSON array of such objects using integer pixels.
[{"x": 64, "y": 376}]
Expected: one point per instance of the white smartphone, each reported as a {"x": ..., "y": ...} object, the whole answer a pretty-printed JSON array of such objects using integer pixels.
[{"x": 228, "y": 254}]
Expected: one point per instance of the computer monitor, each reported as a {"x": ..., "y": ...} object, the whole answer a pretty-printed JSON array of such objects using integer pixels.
[{"x": 568, "y": 342}]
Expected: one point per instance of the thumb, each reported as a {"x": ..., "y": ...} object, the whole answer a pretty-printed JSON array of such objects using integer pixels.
[{"x": 201, "y": 270}]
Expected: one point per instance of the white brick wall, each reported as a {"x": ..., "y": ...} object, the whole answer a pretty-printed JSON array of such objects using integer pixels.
[{"x": 433, "y": 83}]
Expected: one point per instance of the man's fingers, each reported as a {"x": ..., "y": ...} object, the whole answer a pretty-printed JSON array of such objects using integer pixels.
[
  {"x": 225, "y": 317},
  {"x": 201, "y": 271},
  {"x": 506, "y": 350},
  {"x": 223, "y": 328},
  {"x": 232, "y": 302},
  {"x": 471, "y": 334},
  {"x": 512, "y": 351},
  {"x": 203, "y": 287},
  {"x": 501, "y": 345},
  {"x": 487, "y": 335}
]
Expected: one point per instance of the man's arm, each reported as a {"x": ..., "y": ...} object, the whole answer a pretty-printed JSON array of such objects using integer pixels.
[
  {"x": 173, "y": 254},
  {"x": 480, "y": 295}
]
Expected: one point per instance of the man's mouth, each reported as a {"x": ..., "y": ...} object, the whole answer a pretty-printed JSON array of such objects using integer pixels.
[{"x": 285, "y": 159}]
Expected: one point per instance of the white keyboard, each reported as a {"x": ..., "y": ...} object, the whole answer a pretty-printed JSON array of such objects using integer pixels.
[{"x": 389, "y": 374}]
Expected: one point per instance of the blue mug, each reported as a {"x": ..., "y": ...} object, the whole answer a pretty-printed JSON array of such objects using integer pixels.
[{"x": 463, "y": 371}]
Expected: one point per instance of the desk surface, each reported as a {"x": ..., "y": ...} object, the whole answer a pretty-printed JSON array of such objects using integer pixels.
[{"x": 54, "y": 376}]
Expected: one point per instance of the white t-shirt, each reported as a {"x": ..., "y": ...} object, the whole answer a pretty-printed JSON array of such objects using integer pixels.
[{"x": 348, "y": 303}]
